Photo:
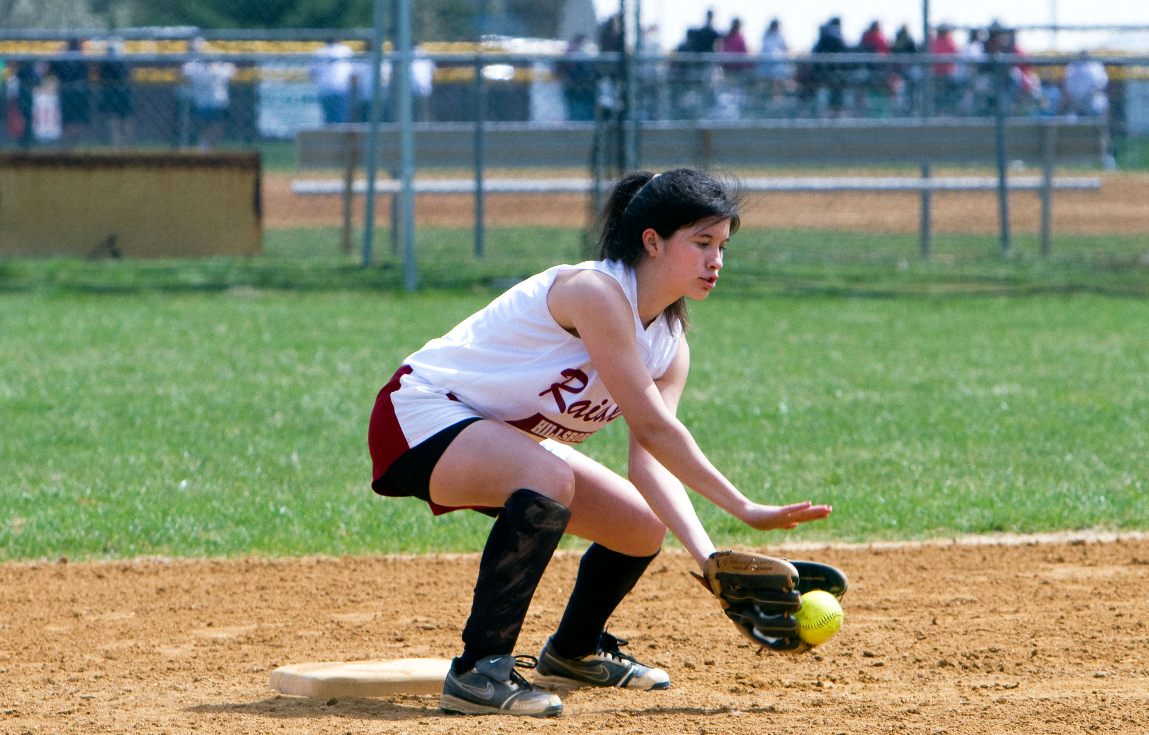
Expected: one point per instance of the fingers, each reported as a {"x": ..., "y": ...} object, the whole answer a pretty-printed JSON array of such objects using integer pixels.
[
  {"x": 808, "y": 512},
  {"x": 791, "y": 516}
]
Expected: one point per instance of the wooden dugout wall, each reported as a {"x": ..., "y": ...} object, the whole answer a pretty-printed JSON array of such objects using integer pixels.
[{"x": 130, "y": 204}]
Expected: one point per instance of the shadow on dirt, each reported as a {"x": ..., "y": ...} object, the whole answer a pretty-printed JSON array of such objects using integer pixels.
[{"x": 296, "y": 708}]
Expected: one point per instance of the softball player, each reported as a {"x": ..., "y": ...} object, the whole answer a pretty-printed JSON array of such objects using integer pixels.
[{"x": 484, "y": 418}]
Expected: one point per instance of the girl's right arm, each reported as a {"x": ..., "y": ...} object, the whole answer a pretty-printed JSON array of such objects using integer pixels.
[{"x": 594, "y": 306}]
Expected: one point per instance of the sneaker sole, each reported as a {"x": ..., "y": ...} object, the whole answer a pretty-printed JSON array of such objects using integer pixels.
[
  {"x": 449, "y": 703},
  {"x": 543, "y": 681}
]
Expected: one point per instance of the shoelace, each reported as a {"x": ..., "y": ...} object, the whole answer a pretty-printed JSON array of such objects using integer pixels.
[
  {"x": 610, "y": 645},
  {"x": 522, "y": 661}
]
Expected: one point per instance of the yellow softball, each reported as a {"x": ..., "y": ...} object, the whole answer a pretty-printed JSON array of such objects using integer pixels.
[{"x": 820, "y": 617}]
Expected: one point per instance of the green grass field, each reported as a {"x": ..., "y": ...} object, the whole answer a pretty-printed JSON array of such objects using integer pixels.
[{"x": 181, "y": 415}]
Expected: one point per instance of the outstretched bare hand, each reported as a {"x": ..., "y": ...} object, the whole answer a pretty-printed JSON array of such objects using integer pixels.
[{"x": 767, "y": 517}]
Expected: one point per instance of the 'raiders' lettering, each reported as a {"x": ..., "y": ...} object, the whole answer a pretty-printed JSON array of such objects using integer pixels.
[
  {"x": 572, "y": 375},
  {"x": 578, "y": 408}
]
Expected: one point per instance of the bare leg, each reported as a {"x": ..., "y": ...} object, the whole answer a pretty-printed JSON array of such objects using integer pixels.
[
  {"x": 608, "y": 510},
  {"x": 491, "y": 464},
  {"x": 489, "y": 461}
]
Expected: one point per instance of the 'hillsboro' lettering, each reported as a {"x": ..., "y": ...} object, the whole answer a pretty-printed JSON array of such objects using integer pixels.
[{"x": 541, "y": 426}]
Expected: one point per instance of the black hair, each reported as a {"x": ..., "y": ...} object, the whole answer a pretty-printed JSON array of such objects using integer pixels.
[{"x": 666, "y": 203}]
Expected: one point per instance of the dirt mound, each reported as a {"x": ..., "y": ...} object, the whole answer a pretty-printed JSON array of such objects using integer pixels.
[{"x": 1035, "y": 638}]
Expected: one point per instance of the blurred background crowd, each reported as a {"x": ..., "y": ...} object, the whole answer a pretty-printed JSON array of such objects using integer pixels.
[{"x": 169, "y": 77}]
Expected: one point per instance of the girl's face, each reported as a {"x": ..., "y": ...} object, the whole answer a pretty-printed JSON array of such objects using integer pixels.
[{"x": 691, "y": 257}]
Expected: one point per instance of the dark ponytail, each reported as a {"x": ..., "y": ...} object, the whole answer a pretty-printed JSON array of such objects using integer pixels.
[{"x": 666, "y": 203}]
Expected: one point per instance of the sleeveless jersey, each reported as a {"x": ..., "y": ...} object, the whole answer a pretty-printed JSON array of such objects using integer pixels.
[{"x": 512, "y": 362}]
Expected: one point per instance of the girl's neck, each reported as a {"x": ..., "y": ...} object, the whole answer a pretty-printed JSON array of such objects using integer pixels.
[{"x": 652, "y": 301}]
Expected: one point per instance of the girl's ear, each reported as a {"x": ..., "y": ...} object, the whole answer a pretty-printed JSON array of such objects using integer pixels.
[{"x": 652, "y": 243}]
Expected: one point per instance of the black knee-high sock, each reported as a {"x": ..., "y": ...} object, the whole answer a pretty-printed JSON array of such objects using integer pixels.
[
  {"x": 604, "y": 578},
  {"x": 518, "y": 550}
]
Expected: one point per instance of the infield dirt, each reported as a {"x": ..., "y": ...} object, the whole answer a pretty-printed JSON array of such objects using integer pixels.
[
  {"x": 1120, "y": 207},
  {"x": 938, "y": 638}
]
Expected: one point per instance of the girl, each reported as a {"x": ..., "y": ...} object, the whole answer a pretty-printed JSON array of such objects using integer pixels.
[{"x": 484, "y": 417}]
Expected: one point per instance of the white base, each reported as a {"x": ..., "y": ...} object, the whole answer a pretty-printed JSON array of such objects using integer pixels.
[{"x": 362, "y": 678}]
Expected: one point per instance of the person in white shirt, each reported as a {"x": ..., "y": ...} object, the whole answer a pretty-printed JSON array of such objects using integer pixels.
[
  {"x": 422, "y": 83},
  {"x": 1085, "y": 83},
  {"x": 774, "y": 69},
  {"x": 208, "y": 83},
  {"x": 486, "y": 418},
  {"x": 331, "y": 71}
]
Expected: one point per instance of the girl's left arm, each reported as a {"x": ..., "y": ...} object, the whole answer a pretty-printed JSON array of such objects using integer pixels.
[{"x": 662, "y": 491}]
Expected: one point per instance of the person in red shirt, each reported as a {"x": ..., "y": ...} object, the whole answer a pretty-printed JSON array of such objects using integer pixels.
[
  {"x": 734, "y": 43},
  {"x": 943, "y": 43},
  {"x": 873, "y": 42},
  {"x": 879, "y": 77},
  {"x": 945, "y": 74}
]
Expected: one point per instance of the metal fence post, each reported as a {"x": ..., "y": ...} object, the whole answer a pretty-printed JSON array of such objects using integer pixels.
[
  {"x": 1001, "y": 74},
  {"x": 631, "y": 30},
  {"x": 407, "y": 147},
  {"x": 373, "y": 131},
  {"x": 1048, "y": 151},
  {"x": 926, "y": 226},
  {"x": 480, "y": 116},
  {"x": 350, "y": 163}
]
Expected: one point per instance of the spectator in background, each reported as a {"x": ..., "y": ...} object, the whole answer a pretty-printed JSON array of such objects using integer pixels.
[
  {"x": 1019, "y": 82},
  {"x": 21, "y": 98},
  {"x": 971, "y": 77},
  {"x": 209, "y": 81},
  {"x": 696, "y": 81},
  {"x": 610, "y": 35},
  {"x": 331, "y": 72},
  {"x": 702, "y": 40},
  {"x": 734, "y": 43},
  {"x": 873, "y": 42},
  {"x": 1085, "y": 83},
  {"x": 75, "y": 104},
  {"x": 361, "y": 90},
  {"x": 943, "y": 43},
  {"x": 997, "y": 39},
  {"x": 946, "y": 84},
  {"x": 422, "y": 84},
  {"x": 830, "y": 76},
  {"x": 774, "y": 69},
  {"x": 877, "y": 76},
  {"x": 579, "y": 79},
  {"x": 116, "y": 100},
  {"x": 610, "y": 41},
  {"x": 903, "y": 42},
  {"x": 905, "y": 77}
]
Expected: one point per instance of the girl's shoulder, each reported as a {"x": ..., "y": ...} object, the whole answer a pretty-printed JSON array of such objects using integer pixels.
[{"x": 597, "y": 277}]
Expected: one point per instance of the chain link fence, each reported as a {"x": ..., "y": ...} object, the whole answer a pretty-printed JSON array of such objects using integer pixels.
[
  {"x": 169, "y": 87},
  {"x": 525, "y": 132}
]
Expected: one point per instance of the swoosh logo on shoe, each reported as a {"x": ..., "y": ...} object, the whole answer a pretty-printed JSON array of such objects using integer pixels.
[
  {"x": 598, "y": 673},
  {"x": 486, "y": 692}
]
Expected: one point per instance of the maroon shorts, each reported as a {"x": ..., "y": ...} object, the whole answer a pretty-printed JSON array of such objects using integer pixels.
[{"x": 399, "y": 470}]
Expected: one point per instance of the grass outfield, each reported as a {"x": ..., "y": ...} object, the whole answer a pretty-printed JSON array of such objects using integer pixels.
[{"x": 234, "y": 423}]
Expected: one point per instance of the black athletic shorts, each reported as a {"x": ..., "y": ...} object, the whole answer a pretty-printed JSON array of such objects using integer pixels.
[{"x": 410, "y": 474}]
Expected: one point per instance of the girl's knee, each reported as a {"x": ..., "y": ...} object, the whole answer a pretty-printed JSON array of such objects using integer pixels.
[
  {"x": 643, "y": 537},
  {"x": 649, "y": 538},
  {"x": 555, "y": 479}
]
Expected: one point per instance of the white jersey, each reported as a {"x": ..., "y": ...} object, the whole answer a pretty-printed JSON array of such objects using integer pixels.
[{"x": 512, "y": 362}]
